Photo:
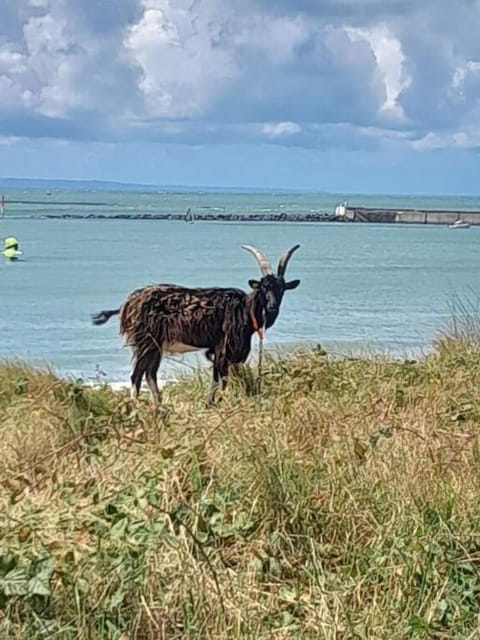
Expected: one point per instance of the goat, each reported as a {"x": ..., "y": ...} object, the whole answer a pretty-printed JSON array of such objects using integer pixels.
[{"x": 175, "y": 319}]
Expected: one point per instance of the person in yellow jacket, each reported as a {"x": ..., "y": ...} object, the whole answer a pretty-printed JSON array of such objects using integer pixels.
[{"x": 11, "y": 251}]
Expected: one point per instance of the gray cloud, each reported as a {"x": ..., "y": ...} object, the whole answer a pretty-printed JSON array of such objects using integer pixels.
[{"x": 293, "y": 73}]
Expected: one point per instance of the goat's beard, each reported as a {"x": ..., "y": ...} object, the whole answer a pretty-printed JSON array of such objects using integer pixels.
[{"x": 269, "y": 318}]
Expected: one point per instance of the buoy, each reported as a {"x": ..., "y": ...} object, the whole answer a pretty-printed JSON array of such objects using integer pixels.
[{"x": 11, "y": 251}]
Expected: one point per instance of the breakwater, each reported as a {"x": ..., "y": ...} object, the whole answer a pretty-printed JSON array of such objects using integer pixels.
[
  {"x": 208, "y": 217},
  {"x": 407, "y": 216},
  {"x": 347, "y": 214}
]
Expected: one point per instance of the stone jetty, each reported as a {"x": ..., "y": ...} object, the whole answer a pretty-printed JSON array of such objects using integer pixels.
[
  {"x": 343, "y": 213},
  {"x": 208, "y": 217},
  {"x": 407, "y": 216},
  {"x": 349, "y": 214}
]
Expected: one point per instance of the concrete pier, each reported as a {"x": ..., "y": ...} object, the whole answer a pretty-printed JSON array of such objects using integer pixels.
[{"x": 409, "y": 216}]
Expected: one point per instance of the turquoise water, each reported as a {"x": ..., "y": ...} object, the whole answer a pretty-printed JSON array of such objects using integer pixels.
[{"x": 363, "y": 286}]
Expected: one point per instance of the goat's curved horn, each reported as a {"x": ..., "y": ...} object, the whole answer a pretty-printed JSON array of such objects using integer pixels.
[
  {"x": 264, "y": 264},
  {"x": 283, "y": 263}
]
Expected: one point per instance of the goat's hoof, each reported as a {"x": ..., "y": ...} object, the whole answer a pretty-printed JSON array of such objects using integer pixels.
[{"x": 213, "y": 401}]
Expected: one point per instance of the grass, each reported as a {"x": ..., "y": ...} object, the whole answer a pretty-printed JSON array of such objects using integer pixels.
[{"x": 340, "y": 502}]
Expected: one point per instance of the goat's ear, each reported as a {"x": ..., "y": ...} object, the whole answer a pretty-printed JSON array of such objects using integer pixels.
[
  {"x": 255, "y": 284},
  {"x": 293, "y": 284}
]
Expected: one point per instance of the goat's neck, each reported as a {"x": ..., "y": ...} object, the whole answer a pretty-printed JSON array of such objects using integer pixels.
[{"x": 255, "y": 309}]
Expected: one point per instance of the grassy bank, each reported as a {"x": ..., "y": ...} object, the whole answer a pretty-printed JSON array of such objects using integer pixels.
[{"x": 341, "y": 502}]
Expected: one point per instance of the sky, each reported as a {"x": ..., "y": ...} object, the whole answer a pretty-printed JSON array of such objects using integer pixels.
[{"x": 335, "y": 95}]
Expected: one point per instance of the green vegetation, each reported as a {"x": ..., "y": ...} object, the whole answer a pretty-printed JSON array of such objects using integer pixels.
[{"x": 340, "y": 502}]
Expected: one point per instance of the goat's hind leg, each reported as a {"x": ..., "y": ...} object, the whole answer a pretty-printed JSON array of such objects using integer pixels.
[
  {"x": 139, "y": 368},
  {"x": 136, "y": 380},
  {"x": 151, "y": 377}
]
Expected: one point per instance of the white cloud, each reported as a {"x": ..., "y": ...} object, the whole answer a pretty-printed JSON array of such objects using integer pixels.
[
  {"x": 182, "y": 60},
  {"x": 462, "y": 139},
  {"x": 57, "y": 65},
  {"x": 11, "y": 62},
  {"x": 50, "y": 61},
  {"x": 9, "y": 140},
  {"x": 390, "y": 59},
  {"x": 275, "y": 129},
  {"x": 468, "y": 71}
]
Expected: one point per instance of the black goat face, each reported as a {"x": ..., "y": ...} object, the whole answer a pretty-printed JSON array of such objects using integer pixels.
[{"x": 271, "y": 289}]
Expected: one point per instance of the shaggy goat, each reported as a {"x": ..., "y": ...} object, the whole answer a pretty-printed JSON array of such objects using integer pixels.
[{"x": 174, "y": 319}]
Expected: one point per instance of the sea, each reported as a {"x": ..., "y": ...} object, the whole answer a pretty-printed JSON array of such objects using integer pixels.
[{"x": 365, "y": 288}]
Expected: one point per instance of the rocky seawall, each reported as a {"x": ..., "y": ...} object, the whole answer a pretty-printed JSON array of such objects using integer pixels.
[
  {"x": 349, "y": 214},
  {"x": 208, "y": 217}
]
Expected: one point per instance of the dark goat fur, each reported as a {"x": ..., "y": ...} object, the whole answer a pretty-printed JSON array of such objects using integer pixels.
[{"x": 170, "y": 318}]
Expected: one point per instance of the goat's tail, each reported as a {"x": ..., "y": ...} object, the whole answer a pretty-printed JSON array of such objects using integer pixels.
[{"x": 104, "y": 316}]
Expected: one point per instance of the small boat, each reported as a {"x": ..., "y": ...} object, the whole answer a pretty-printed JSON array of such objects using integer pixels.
[{"x": 459, "y": 224}]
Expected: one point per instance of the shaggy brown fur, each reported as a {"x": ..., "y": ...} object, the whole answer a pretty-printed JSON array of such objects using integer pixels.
[{"x": 170, "y": 318}]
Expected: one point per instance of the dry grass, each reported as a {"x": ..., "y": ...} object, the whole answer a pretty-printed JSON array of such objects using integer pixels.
[{"x": 340, "y": 502}]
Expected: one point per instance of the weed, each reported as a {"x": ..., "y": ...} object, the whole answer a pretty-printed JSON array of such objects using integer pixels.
[{"x": 337, "y": 500}]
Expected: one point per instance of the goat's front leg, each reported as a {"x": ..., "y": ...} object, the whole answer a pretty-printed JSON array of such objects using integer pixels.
[{"x": 219, "y": 381}]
